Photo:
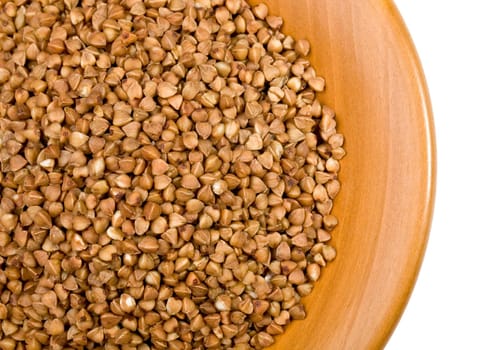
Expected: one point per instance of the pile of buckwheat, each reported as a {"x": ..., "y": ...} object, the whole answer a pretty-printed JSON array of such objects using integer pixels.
[{"x": 167, "y": 175}]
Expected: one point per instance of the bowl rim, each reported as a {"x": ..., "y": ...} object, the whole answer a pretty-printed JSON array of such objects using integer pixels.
[{"x": 413, "y": 264}]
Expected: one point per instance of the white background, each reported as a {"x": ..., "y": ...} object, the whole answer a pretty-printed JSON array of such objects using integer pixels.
[{"x": 449, "y": 308}]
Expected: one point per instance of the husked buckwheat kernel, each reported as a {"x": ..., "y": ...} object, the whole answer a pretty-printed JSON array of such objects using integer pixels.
[{"x": 167, "y": 175}]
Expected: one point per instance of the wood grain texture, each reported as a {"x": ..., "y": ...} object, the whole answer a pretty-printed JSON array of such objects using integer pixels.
[{"x": 376, "y": 85}]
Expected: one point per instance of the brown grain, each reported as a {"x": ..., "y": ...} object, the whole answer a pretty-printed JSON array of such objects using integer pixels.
[{"x": 167, "y": 175}]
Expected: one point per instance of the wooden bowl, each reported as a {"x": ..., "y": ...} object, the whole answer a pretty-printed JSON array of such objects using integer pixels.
[{"x": 376, "y": 85}]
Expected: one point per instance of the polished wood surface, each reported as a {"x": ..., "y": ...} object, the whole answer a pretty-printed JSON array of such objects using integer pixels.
[{"x": 376, "y": 85}]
